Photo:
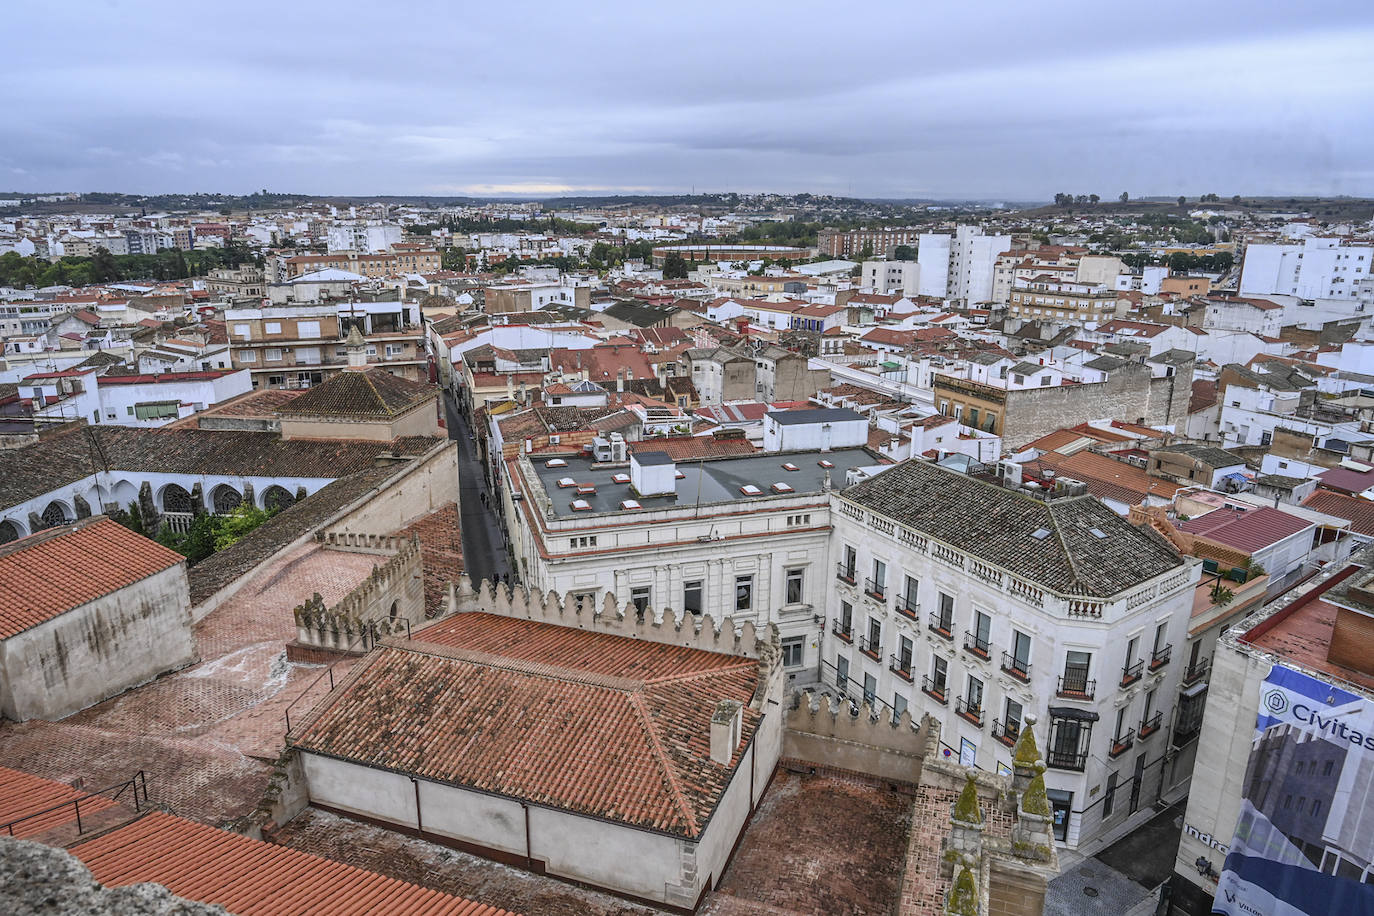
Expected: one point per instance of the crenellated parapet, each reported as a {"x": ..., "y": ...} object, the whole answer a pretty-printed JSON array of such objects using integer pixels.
[
  {"x": 390, "y": 601},
  {"x": 609, "y": 617},
  {"x": 838, "y": 718},
  {"x": 361, "y": 541}
]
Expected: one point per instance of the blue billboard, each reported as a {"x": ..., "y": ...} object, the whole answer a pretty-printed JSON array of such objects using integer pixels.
[{"x": 1305, "y": 836}]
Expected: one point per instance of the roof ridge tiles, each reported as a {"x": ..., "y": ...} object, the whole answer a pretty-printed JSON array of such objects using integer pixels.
[
  {"x": 506, "y": 662},
  {"x": 664, "y": 764}
]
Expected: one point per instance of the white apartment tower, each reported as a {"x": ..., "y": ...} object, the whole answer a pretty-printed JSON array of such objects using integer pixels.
[
  {"x": 1319, "y": 268},
  {"x": 960, "y": 266}
]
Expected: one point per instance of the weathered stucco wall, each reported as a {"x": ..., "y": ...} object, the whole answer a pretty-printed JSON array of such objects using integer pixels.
[
  {"x": 819, "y": 733},
  {"x": 430, "y": 484},
  {"x": 98, "y": 649}
]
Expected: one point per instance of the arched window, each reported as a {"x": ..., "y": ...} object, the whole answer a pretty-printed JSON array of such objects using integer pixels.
[
  {"x": 8, "y": 532},
  {"x": 395, "y": 609},
  {"x": 226, "y": 499},
  {"x": 277, "y": 498},
  {"x": 176, "y": 499},
  {"x": 54, "y": 515}
]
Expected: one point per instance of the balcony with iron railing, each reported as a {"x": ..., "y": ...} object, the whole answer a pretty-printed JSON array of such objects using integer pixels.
[
  {"x": 1150, "y": 724},
  {"x": 937, "y": 691},
  {"x": 1018, "y": 668},
  {"x": 845, "y": 573},
  {"x": 1066, "y": 760},
  {"x": 842, "y": 630},
  {"x": 1130, "y": 673},
  {"x": 972, "y": 712},
  {"x": 1196, "y": 671},
  {"x": 870, "y": 648},
  {"x": 1122, "y": 743},
  {"x": 875, "y": 590},
  {"x": 908, "y": 607},
  {"x": 1076, "y": 687},
  {"x": 1006, "y": 732},
  {"x": 977, "y": 646},
  {"x": 900, "y": 667},
  {"x": 1160, "y": 657},
  {"x": 941, "y": 626}
]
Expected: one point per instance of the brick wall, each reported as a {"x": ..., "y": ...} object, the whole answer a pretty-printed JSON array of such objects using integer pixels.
[
  {"x": 1015, "y": 893},
  {"x": 1352, "y": 641}
]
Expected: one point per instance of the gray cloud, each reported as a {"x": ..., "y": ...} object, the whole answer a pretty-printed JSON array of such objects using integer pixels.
[{"x": 995, "y": 99}]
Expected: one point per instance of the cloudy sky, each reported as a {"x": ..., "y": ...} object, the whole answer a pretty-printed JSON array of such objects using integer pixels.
[{"x": 919, "y": 98}]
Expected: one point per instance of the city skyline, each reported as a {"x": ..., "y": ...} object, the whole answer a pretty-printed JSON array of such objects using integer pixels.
[{"x": 898, "y": 103}]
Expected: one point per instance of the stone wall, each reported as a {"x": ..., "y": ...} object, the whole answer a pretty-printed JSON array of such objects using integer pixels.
[
  {"x": 1129, "y": 393},
  {"x": 390, "y": 600},
  {"x": 827, "y": 733},
  {"x": 423, "y": 487},
  {"x": 94, "y": 651}
]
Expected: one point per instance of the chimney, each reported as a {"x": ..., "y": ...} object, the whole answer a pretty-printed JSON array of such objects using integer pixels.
[
  {"x": 620, "y": 381},
  {"x": 357, "y": 349},
  {"x": 726, "y": 725},
  {"x": 510, "y": 387}
]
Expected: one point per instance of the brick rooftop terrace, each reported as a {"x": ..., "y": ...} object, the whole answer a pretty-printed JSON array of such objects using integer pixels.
[{"x": 204, "y": 735}]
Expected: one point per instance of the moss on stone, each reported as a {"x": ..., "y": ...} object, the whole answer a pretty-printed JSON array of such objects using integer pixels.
[
  {"x": 966, "y": 808},
  {"x": 963, "y": 896},
  {"x": 1026, "y": 752},
  {"x": 1035, "y": 800}
]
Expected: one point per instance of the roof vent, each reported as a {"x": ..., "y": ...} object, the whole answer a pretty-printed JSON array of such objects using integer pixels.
[
  {"x": 750, "y": 490},
  {"x": 781, "y": 487},
  {"x": 630, "y": 504},
  {"x": 580, "y": 505},
  {"x": 555, "y": 463},
  {"x": 1040, "y": 533}
]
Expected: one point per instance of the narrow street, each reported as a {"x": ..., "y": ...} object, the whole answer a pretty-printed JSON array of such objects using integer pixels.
[{"x": 484, "y": 551}]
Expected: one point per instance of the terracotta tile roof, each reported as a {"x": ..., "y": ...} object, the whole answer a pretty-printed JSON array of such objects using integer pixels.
[
  {"x": 23, "y": 795},
  {"x": 54, "y": 571},
  {"x": 251, "y": 878},
  {"x": 1250, "y": 530},
  {"x": 1356, "y": 510},
  {"x": 370, "y": 394},
  {"x": 1108, "y": 478},
  {"x": 1302, "y": 634},
  {"x": 588, "y": 722},
  {"x": 688, "y": 448},
  {"x": 1346, "y": 480}
]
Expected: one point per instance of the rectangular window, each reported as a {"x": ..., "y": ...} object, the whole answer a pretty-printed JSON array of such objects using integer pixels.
[
  {"x": 939, "y": 673},
  {"x": 841, "y": 672},
  {"x": 272, "y": 327},
  {"x": 272, "y": 354},
  {"x": 972, "y": 416},
  {"x": 975, "y": 695},
  {"x": 1111, "y": 792},
  {"x": 247, "y": 356},
  {"x": 639, "y": 597},
  {"x": 982, "y": 632},
  {"x": 851, "y": 562},
  {"x": 744, "y": 593},
  {"x": 875, "y": 635},
  {"x": 946, "y": 620},
  {"x": 1020, "y": 650},
  {"x": 898, "y": 704},
  {"x": 1013, "y": 715},
  {"x": 796, "y": 592},
  {"x": 879, "y": 584},
  {"x": 691, "y": 596},
  {"x": 308, "y": 329},
  {"x": 904, "y": 654},
  {"x": 243, "y": 330},
  {"x": 793, "y": 648},
  {"x": 1076, "y": 665}
]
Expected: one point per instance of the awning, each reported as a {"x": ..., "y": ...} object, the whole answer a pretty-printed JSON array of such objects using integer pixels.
[
  {"x": 1070, "y": 712},
  {"x": 1194, "y": 690}
]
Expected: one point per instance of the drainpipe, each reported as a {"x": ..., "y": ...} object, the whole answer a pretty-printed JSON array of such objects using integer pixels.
[
  {"x": 419, "y": 823},
  {"x": 529, "y": 858}
]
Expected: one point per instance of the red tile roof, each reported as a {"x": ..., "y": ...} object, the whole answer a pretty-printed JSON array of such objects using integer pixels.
[
  {"x": 1346, "y": 480},
  {"x": 1250, "y": 530},
  {"x": 688, "y": 448},
  {"x": 23, "y": 795},
  {"x": 251, "y": 878},
  {"x": 1359, "y": 512},
  {"x": 54, "y": 571},
  {"x": 588, "y": 722}
]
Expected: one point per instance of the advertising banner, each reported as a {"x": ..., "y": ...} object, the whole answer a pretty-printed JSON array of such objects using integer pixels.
[{"x": 1305, "y": 837}]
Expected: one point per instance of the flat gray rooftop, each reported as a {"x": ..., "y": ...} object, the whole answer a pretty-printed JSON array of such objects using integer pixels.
[{"x": 703, "y": 482}]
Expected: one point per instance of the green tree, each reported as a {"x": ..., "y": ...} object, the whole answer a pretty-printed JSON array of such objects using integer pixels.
[
  {"x": 454, "y": 259},
  {"x": 904, "y": 253},
  {"x": 103, "y": 267},
  {"x": 1093, "y": 198},
  {"x": 674, "y": 267},
  {"x": 236, "y": 525},
  {"x": 1124, "y": 197},
  {"x": 866, "y": 253},
  {"x": 1182, "y": 200}
]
